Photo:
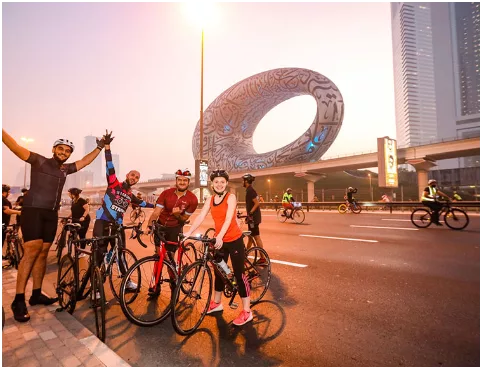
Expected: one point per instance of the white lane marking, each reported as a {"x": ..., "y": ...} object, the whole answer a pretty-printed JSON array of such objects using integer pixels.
[
  {"x": 405, "y": 220},
  {"x": 338, "y": 238},
  {"x": 284, "y": 262},
  {"x": 405, "y": 229}
]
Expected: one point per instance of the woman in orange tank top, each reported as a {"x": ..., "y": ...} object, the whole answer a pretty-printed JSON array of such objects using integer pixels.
[{"x": 229, "y": 238}]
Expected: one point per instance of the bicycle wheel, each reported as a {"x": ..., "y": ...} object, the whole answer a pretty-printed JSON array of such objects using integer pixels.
[
  {"x": 258, "y": 273},
  {"x": 421, "y": 218},
  {"x": 191, "y": 298},
  {"x": 141, "y": 217},
  {"x": 189, "y": 255},
  {"x": 298, "y": 216},
  {"x": 61, "y": 246},
  {"x": 281, "y": 217},
  {"x": 148, "y": 304},
  {"x": 127, "y": 258},
  {"x": 98, "y": 303},
  {"x": 356, "y": 208},
  {"x": 456, "y": 219},
  {"x": 342, "y": 208},
  {"x": 67, "y": 284}
]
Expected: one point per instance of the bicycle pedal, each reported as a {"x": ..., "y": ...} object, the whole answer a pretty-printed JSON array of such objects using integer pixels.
[{"x": 234, "y": 305}]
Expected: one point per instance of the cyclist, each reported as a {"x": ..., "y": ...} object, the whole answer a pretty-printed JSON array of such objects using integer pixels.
[
  {"x": 6, "y": 213},
  {"x": 79, "y": 212},
  {"x": 253, "y": 212},
  {"x": 229, "y": 238},
  {"x": 117, "y": 198},
  {"x": 174, "y": 206},
  {"x": 456, "y": 196},
  {"x": 19, "y": 204},
  {"x": 287, "y": 202},
  {"x": 349, "y": 194},
  {"x": 40, "y": 214},
  {"x": 430, "y": 196}
]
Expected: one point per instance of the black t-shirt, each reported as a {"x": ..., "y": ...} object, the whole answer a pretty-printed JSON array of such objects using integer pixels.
[
  {"x": 6, "y": 217},
  {"x": 20, "y": 200},
  {"x": 251, "y": 194},
  {"x": 47, "y": 180},
  {"x": 78, "y": 209}
]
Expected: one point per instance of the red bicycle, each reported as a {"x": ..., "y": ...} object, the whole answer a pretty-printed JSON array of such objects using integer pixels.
[{"x": 155, "y": 277}]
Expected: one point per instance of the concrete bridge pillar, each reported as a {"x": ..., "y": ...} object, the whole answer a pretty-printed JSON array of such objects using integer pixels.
[
  {"x": 422, "y": 166},
  {"x": 310, "y": 182}
]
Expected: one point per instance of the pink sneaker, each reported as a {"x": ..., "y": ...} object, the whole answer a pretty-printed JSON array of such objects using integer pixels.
[
  {"x": 213, "y": 307},
  {"x": 243, "y": 318}
]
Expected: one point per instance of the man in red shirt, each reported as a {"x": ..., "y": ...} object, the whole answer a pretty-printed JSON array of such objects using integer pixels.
[{"x": 174, "y": 207}]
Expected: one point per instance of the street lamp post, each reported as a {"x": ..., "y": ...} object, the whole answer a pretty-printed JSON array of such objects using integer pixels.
[
  {"x": 201, "y": 114},
  {"x": 26, "y": 140},
  {"x": 371, "y": 190},
  {"x": 269, "y": 189}
]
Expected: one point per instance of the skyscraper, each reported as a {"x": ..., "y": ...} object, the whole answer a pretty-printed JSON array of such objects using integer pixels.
[
  {"x": 95, "y": 167},
  {"x": 436, "y": 57}
]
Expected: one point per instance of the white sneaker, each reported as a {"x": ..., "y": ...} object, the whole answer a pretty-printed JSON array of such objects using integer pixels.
[{"x": 131, "y": 285}]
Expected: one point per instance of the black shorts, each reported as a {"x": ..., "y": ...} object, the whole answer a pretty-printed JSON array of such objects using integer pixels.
[
  {"x": 254, "y": 230},
  {"x": 38, "y": 224}
]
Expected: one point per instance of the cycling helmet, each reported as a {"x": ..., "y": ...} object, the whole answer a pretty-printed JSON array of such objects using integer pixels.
[
  {"x": 5, "y": 188},
  {"x": 183, "y": 173},
  {"x": 249, "y": 178},
  {"x": 63, "y": 141},
  {"x": 288, "y": 189},
  {"x": 350, "y": 188},
  {"x": 431, "y": 182},
  {"x": 75, "y": 191},
  {"x": 219, "y": 173}
]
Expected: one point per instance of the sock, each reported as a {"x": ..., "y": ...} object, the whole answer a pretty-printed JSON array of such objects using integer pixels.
[
  {"x": 36, "y": 293},
  {"x": 19, "y": 297}
]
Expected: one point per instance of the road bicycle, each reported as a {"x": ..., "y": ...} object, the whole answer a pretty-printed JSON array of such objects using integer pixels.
[
  {"x": 347, "y": 207},
  {"x": 137, "y": 215},
  {"x": 61, "y": 239},
  {"x": 454, "y": 218},
  {"x": 156, "y": 277},
  {"x": 297, "y": 214},
  {"x": 192, "y": 295},
  {"x": 14, "y": 245},
  {"x": 70, "y": 286}
]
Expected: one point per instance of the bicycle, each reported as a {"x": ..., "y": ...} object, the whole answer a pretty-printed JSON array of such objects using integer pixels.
[
  {"x": 60, "y": 240},
  {"x": 14, "y": 248},
  {"x": 192, "y": 295},
  {"x": 297, "y": 214},
  {"x": 454, "y": 218},
  {"x": 68, "y": 286},
  {"x": 156, "y": 277},
  {"x": 354, "y": 207},
  {"x": 137, "y": 215}
]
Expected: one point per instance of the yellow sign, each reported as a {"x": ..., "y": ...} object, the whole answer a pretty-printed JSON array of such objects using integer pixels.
[{"x": 387, "y": 163}]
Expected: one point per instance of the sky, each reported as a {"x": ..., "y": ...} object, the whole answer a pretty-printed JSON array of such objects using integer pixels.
[{"x": 75, "y": 69}]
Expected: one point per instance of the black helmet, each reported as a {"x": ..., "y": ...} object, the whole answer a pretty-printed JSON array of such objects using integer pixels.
[
  {"x": 24, "y": 190},
  {"x": 249, "y": 178},
  {"x": 219, "y": 173},
  {"x": 5, "y": 188},
  {"x": 75, "y": 191}
]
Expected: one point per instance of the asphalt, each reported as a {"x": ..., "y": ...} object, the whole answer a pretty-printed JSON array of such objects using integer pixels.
[{"x": 387, "y": 296}]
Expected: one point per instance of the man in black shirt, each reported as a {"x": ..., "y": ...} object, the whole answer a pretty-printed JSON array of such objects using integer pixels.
[
  {"x": 40, "y": 214},
  {"x": 19, "y": 203},
  {"x": 7, "y": 212},
  {"x": 253, "y": 212}
]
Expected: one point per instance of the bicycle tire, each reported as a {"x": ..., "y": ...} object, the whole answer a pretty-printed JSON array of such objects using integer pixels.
[
  {"x": 133, "y": 216},
  {"x": 356, "y": 208},
  {"x": 258, "y": 275},
  {"x": 453, "y": 215},
  {"x": 182, "y": 308},
  {"x": 421, "y": 218},
  {"x": 115, "y": 274},
  {"x": 298, "y": 216},
  {"x": 67, "y": 283},
  {"x": 281, "y": 217},
  {"x": 342, "y": 208},
  {"x": 98, "y": 303},
  {"x": 60, "y": 246},
  {"x": 142, "y": 307}
]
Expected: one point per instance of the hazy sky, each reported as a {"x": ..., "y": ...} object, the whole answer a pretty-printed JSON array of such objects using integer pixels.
[{"x": 74, "y": 69}]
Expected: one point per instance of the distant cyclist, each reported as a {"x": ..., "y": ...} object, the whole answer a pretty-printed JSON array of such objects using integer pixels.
[
  {"x": 79, "y": 212},
  {"x": 287, "y": 202},
  {"x": 430, "y": 197},
  {"x": 349, "y": 194},
  {"x": 456, "y": 196}
]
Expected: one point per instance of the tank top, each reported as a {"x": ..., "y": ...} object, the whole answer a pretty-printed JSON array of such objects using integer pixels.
[{"x": 218, "y": 213}]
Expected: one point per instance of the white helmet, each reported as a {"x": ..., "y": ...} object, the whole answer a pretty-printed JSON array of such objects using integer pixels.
[
  {"x": 63, "y": 141},
  {"x": 432, "y": 181}
]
